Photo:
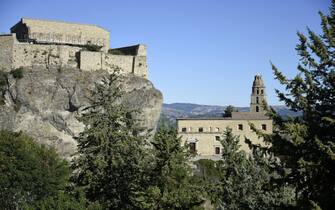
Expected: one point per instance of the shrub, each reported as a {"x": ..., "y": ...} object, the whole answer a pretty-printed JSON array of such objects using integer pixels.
[
  {"x": 29, "y": 172},
  {"x": 17, "y": 73},
  {"x": 3, "y": 83}
]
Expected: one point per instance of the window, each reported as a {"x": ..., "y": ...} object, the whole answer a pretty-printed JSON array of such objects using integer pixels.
[
  {"x": 257, "y": 101},
  {"x": 217, "y": 138},
  {"x": 262, "y": 91},
  {"x": 257, "y": 91},
  {"x": 217, "y": 150},
  {"x": 257, "y": 109},
  {"x": 201, "y": 129},
  {"x": 183, "y": 129},
  {"x": 264, "y": 127},
  {"x": 240, "y": 127},
  {"x": 192, "y": 147}
]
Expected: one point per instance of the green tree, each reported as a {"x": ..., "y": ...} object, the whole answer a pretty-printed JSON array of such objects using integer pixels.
[
  {"x": 306, "y": 144},
  {"x": 228, "y": 110},
  {"x": 172, "y": 185},
  {"x": 242, "y": 181},
  {"x": 29, "y": 172},
  {"x": 112, "y": 155},
  {"x": 64, "y": 201}
]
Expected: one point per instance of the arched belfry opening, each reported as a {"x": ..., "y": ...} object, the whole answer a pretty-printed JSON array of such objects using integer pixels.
[{"x": 258, "y": 96}]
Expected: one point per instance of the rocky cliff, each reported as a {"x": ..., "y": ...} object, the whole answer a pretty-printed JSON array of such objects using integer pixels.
[{"x": 45, "y": 103}]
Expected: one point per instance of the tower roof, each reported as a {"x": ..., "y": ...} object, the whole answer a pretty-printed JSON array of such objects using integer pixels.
[{"x": 258, "y": 81}]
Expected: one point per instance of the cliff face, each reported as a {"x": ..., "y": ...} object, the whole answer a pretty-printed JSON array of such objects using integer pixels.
[{"x": 45, "y": 104}]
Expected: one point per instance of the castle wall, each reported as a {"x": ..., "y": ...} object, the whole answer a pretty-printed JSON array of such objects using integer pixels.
[
  {"x": 6, "y": 47},
  {"x": 25, "y": 54},
  {"x": 125, "y": 62},
  {"x": 140, "y": 66},
  {"x": 92, "y": 61},
  {"x": 45, "y": 31}
]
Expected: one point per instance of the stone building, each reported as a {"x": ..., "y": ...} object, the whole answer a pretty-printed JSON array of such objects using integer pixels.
[
  {"x": 56, "y": 32},
  {"x": 60, "y": 44},
  {"x": 203, "y": 134}
]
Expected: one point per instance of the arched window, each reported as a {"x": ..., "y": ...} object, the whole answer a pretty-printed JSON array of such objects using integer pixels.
[
  {"x": 262, "y": 91},
  {"x": 257, "y": 91},
  {"x": 257, "y": 100},
  {"x": 257, "y": 109}
]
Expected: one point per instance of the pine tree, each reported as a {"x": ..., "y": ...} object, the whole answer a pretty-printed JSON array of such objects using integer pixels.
[
  {"x": 228, "y": 110},
  {"x": 111, "y": 163},
  {"x": 306, "y": 144},
  {"x": 172, "y": 185},
  {"x": 244, "y": 181}
]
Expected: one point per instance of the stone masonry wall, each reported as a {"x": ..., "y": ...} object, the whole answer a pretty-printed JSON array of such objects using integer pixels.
[
  {"x": 25, "y": 54},
  {"x": 6, "y": 43},
  {"x": 46, "y": 31},
  {"x": 15, "y": 54},
  {"x": 125, "y": 62},
  {"x": 92, "y": 61},
  {"x": 140, "y": 66}
]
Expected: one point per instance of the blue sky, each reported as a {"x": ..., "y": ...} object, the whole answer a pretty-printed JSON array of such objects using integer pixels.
[{"x": 199, "y": 51}]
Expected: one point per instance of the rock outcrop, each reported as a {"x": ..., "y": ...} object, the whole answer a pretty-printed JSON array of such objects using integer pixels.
[{"x": 45, "y": 104}]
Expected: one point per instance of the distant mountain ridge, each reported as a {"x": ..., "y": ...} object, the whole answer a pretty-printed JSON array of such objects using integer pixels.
[{"x": 171, "y": 112}]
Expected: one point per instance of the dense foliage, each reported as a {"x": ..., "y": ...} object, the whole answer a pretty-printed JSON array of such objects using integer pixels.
[
  {"x": 240, "y": 181},
  {"x": 172, "y": 185},
  {"x": 306, "y": 144},
  {"x": 29, "y": 173},
  {"x": 112, "y": 159},
  {"x": 117, "y": 168}
]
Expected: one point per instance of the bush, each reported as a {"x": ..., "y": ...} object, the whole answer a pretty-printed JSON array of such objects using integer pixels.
[
  {"x": 17, "y": 73},
  {"x": 29, "y": 172},
  {"x": 3, "y": 83}
]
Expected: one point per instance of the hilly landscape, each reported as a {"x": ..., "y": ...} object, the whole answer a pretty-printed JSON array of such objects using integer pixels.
[{"x": 170, "y": 112}]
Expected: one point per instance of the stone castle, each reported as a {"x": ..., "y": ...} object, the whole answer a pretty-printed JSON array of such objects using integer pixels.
[
  {"x": 203, "y": 134},
  {"x": 60, "y": 44}
]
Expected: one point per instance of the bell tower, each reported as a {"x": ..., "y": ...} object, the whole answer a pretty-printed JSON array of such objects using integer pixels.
[{"x": 258, "y": 95}]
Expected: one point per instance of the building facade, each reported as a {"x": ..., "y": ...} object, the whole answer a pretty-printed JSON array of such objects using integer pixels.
[
  {"x": 203, "y": 134},
  {"x": 60, "y": 44}
]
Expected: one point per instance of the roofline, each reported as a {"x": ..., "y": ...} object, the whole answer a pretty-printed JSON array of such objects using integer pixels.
[
  {"x": 193, "y": 119},
  {"x": 60, "y": 21}
]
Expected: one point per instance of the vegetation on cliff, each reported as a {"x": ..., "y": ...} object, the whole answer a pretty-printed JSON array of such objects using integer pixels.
[
  {"x": 29, "y": 172},
  {"x": 117, "y": 168}
]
